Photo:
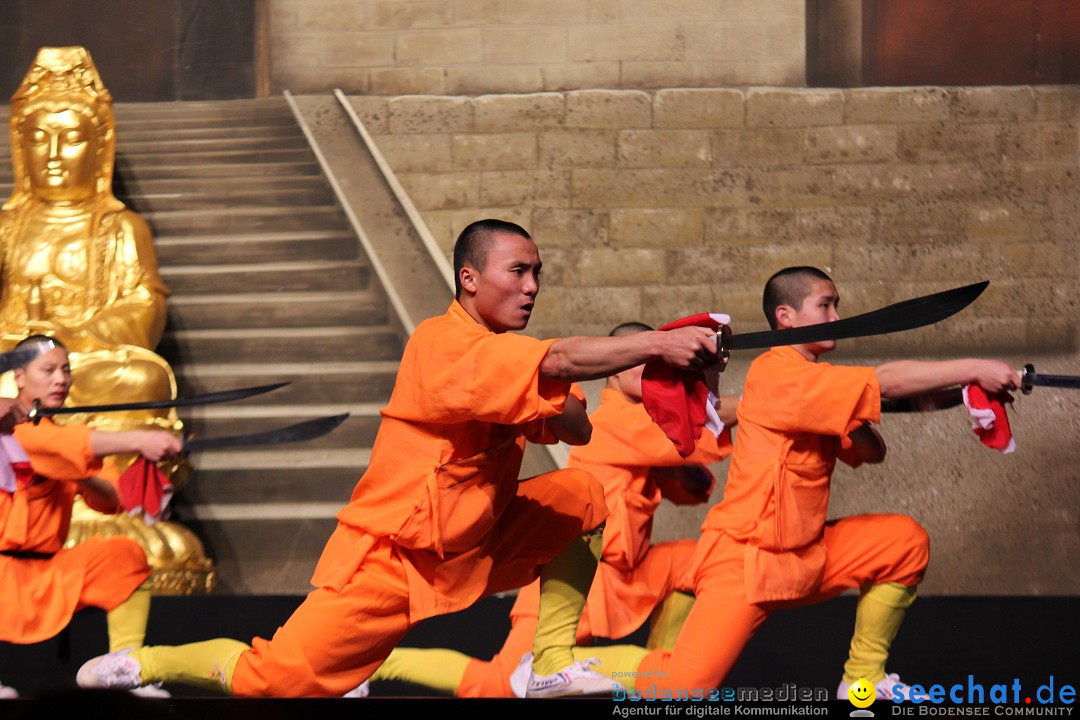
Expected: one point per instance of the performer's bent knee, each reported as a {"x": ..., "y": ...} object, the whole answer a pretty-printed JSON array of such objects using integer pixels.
[
  {"x": 913, "y": 546},
  {"x": 574, "y": 493}
]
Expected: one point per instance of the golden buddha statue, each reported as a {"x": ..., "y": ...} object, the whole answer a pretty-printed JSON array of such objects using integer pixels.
[{"x": 78, "y": 265}]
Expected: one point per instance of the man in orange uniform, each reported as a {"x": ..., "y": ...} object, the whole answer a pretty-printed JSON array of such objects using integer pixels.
[
  {"x": 637, "y": 466},
  {"x": 766, "y": 546},
  {"x": 42, "y": 583},
  {"x": 440, "y": 519}
]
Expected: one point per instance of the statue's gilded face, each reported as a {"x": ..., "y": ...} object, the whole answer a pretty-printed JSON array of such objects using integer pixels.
[{"x": 60, "y": 151}]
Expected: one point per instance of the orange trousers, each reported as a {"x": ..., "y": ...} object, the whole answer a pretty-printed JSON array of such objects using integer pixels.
[
  {"x": 337, "y": 638},
  {"x": 666, "y": 568},
  {"x": 40, "y": 596},
  {"x": 865, "y": 549}
]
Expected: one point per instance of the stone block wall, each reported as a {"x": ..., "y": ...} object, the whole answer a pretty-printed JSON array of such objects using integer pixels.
[
  {"x": 394, "y": 47},
  {"x": 658, "y": 204},
  {"x": 653, "y": 205}
]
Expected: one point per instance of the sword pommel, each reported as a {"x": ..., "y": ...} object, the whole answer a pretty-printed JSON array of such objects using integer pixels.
[
  {"x": 723, "y": 346},
  {"x": 1027, "y": 379},
  {"x": 34, "y": 415}
]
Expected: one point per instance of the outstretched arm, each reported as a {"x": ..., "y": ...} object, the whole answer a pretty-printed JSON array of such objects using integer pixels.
[
  {"x": 151, "y": 444},
  {"x": 912, "y": 377},
  {"x": 589, "y": 358}
]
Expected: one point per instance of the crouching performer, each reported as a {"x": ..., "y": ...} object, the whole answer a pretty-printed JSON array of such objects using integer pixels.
[
  {"x": 439, "y": 519},
  {"x": 43, "y": 584},
  {"x": 767, "y": 545}
]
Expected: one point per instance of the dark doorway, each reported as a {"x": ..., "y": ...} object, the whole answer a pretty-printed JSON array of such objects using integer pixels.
[{"x": 145, "y": 51}]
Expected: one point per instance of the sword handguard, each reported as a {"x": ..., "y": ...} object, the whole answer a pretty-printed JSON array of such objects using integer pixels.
[
  {"x": 1026, "y": 379},
  {"x": 34, "y": 415},
  {"x": 723, "y": 349}
]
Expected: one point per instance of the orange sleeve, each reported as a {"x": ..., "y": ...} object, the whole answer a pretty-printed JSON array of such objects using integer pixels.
[
  {"x": 61, "y": 452},
  {"x": 109, "y": 473},
  {"x": 537, "y": 431},
  {"x": 454, "y": 371},
  {"x": 812, "y": 397}
]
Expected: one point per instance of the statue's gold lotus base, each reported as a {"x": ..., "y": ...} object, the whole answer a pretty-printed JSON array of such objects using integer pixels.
[{"x": 175, "y": 553}]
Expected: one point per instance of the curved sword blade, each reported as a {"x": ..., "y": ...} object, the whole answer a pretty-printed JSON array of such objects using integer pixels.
[
  {"x": 307, "y": 430},
  {"x": 905, "y": 315},
  {"x": 205, "y": 399}
]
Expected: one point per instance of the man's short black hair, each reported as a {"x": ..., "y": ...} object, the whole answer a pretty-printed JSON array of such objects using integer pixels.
[
  {"x": 789, "y": 287},
  {"x": 629, "y": 328},
  {"x": 475, "y": 241}
]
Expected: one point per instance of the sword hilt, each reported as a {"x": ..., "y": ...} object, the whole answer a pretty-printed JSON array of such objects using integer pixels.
[
  {"x": 1027, "y": 379},
  {"x": 723, "y": 346},
  {"x": 35, "y": 415}
]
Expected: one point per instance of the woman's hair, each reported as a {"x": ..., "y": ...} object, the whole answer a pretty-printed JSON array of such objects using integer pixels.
[{"x": 45, "y": 342}]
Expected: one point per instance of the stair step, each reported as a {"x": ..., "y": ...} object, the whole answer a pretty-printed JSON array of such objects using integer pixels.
[
  {"x": 268, "y": 277},
  {"x": 262, "y": 310},
  {"x": 166, "y": 145},
  {"x": 312, "y": 382},
  {"x": 216, "y": 488},
  {"x": 183, "y": 347},
  {"x": 212, "y": 171},
  {"x": 129, "y": 133},
  {"x": 256, "y": 247},
  {"x": 264, "y": 556},
  {"x": 224, "y": 220},
  {"x": 279, "y": 457},
  {"x": 165, "y": 126},
  {"x": 262, "y": 110},
  {"x": 203, "y": 157},
  {"x": 223, "y": 186},
  {"x": 275, "y": 197}
]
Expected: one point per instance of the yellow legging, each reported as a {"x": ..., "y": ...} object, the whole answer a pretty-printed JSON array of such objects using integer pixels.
[
  {"x": 878, "y": 616},
  {"x": 127, "y": 621},
  {"x": 564, "y": 585},
  {"x": 207, "y": 664}
]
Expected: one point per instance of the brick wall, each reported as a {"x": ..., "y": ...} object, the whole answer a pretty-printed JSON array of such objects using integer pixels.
[
  {"x": 656, "y": 204},
  {"x": 393, "y": 47}
]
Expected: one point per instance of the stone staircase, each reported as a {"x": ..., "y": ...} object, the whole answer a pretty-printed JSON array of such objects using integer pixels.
[{"x": 268, "y": 284}]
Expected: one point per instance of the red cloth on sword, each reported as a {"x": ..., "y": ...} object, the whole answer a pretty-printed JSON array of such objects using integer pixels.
[
  {"x": 145, "y": 489},
  {"x": 680, "y": 401},
  {"x": 989, "y": 419}
]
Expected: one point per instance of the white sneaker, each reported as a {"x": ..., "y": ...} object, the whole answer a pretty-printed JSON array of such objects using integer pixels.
[
  {"x": 360, "y": 691},
  {"x": 576, "y": 679},
  {"x": 115, "y": 670},
  {"x": 151, "y": 691},
  {"x": 519, "y": 679},
  {"x": 8, "y": 693},
  {"x": 884, "y": 687}
]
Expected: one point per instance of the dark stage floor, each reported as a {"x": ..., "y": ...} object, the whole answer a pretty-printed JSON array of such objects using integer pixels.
[{"x": 944, "y": 640}]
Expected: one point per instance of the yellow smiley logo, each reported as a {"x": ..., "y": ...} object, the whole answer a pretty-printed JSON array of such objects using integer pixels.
[{"x": 861, "y": 693}]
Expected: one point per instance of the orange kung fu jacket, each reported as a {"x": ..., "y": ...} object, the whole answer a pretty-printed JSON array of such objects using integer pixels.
[
  {"x": 40, "y": 596},
  {"x": 625, "y": 447},
  {"x": 794, "y": 418},
  {"x": 446, "y": 459}
]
